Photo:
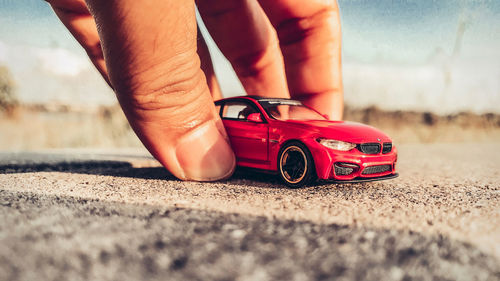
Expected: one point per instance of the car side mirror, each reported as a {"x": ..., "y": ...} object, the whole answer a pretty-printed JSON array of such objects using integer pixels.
[{"x": 255, "y": 117}]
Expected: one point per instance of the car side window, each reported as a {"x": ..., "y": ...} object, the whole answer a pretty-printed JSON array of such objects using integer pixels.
[{"x": 237, "y": 110}]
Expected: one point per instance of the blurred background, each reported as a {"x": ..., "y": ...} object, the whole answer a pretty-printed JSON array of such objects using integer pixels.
[{"x": 423, "y": 71}]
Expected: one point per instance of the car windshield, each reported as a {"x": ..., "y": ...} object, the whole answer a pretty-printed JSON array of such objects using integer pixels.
[{"x": 289, "y": 110}]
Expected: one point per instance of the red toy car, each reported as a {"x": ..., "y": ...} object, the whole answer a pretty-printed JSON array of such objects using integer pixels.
[{"x": 286, "y": 137}]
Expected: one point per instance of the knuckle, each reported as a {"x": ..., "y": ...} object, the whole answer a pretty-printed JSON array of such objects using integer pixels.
[
  {"x": 297, "y": 29},
  {"x": 69, "y": 6},
  {"x": 176, "y": 74},
  {"x": 94, "y": 51},
  {"x": 217, "y": 9},
  {"x": 173, "y": 91},
  {"x": 169, "y": 94},
  {"x": 252, "y": 63}
]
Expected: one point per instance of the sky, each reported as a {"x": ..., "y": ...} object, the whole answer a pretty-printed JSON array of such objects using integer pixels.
[{"x": 441, "y": 56}]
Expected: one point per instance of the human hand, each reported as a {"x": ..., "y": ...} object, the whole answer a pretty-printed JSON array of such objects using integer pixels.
[{"x": 149, "y": 53}]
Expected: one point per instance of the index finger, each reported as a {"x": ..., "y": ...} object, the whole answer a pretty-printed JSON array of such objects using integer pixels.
[{"x": 75, "y": 15}]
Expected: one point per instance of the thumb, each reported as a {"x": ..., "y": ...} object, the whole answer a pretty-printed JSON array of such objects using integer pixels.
[
  {"x": 183, "y": 131},
  {"x": 150, "y": 53}
]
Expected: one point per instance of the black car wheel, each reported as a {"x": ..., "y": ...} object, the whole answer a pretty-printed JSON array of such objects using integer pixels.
[{"x": 295, "y": 165}]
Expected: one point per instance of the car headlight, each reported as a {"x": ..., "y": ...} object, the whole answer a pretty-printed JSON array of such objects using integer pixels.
[{"x": 337, "y": 145}]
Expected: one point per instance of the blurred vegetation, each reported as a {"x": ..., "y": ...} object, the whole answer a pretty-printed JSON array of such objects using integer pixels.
[{"x": 8, "y": 99}]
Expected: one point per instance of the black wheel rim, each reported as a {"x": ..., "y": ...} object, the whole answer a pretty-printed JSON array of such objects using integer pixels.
[{"x": 293, "y": 164}]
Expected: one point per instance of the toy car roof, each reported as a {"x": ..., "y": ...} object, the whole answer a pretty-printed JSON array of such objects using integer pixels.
[{"x": 265, "y": 99}]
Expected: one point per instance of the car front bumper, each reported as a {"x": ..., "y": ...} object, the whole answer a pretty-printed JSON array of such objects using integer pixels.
[
  {"x": 365, "y": 167},
  {"x": 361, "y": 180}
]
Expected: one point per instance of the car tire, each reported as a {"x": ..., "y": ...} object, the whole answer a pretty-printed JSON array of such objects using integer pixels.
[{"x": 296, "y": 165}]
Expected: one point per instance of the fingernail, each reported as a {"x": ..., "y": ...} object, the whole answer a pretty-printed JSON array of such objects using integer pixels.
[{"x": 204, "y": 154}]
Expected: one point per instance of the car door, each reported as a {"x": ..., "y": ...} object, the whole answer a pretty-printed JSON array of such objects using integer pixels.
[{"x": 249, "y": 139}]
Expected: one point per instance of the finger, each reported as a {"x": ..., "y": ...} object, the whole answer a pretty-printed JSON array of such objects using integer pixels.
[
  {"x": 245, "y": 36},
  {"x": 75, "y": 15},
  {"x": 207, "y": 67},
  {"x": 150, "y": 52},
  {"x": 310, "y": 40}
]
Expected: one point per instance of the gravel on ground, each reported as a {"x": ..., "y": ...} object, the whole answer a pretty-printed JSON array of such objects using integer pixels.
[{"x": 118, "y": 215}]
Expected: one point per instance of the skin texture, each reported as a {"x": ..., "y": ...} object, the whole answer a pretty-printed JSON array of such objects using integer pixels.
[{"x": 150, "y": 53}]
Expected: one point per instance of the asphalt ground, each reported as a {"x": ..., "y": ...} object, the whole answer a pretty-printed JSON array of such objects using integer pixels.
[{"x": 117, "y": 215}]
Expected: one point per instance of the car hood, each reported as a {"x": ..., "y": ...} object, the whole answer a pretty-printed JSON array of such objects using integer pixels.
[{"x": 342, "y": 130}]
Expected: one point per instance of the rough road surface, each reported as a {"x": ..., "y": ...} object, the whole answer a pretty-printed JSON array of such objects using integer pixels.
[{"x": 76, "y": 215}]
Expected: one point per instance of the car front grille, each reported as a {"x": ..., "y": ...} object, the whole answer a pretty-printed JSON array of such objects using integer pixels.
[
  {"x": 376, "y": 169},
  {"x": 369, "y": 148},
  {"x": 387, "y": 147}
]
